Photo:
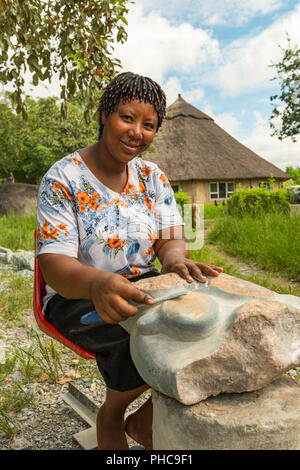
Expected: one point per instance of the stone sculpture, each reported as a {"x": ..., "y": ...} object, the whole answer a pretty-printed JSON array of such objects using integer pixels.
[{"x": 199, "y": 340}]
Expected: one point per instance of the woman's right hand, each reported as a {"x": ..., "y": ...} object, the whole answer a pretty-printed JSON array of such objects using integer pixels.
[{"x": 109, "y": 293}]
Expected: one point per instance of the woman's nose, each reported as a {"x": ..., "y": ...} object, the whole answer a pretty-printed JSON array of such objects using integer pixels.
[{"x": 136, "y": 131}]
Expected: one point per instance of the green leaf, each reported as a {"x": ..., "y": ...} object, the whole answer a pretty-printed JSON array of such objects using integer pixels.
[
  {"x": 35, "y": 79},
  {"x": 51, "y": 32}
]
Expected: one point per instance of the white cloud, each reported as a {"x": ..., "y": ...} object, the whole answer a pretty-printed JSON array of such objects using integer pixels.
[
  {"x": 157, "y": 49},
  {"x": 281, "y": 153},
  {"x": 227, "y": 121},
  {"x": 219, "y": 12},
  {"x": 172, "y": 88},
  {"x": 195, "y": 95},
  {"x": 246, "y": 61}
]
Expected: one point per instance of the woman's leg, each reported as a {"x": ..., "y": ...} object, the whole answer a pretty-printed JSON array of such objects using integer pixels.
[
  {"x": 138, "y": 425},
  {"x": 110, "y": 420}
]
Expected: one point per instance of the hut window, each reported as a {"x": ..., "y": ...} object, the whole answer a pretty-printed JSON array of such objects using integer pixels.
[
  {"x": 214, "y": 190},
  {"x": 264, "y": 184},
  {"x": 175, "y": 188},
  {"x": 221, "y": 190}
]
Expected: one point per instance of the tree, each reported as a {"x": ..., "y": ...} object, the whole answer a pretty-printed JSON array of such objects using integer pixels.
[
  {"x": 288, "y": 107},
  {"x": 35, "y": 144},
  {"x": 69, "y": 38},
  {"x": 294, "y": 174}
]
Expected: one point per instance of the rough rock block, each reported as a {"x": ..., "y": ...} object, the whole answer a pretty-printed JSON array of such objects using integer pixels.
[
  {"x": 266, "y": 419},
  {"x": 19, "y": 260},
  {"x": 227, "y": 336}
]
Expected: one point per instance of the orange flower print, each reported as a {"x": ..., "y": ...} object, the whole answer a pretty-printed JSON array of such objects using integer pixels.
[
  {"x": 164, "y": 180},
  {"x": 64, "y": 228},
  {"x": 119, "y": 202},
  {"x": 123, "y": 242},
  {"x": 75, "y": 160},
  {"x": 152, "y": 237},
  {"x": 83, "y": 198},
  {"x": 56, "y": 186},
  {"x": 114, "y": 242},
  {"x": 142, "y": 187},
  {"x": 93, "y": 202},
  {"x": 45, "y": 233},
  {"x": 150, "y": 251},
  {"x": 146, "y": 171},
  {"x": 130, "y": 187},
  {"x": 82, "y": 208},
  {"x": 135, "y": 272},
  {"x": 53, "y": 233},
  {"x": 94, "y": 205},
  {"x": 148, "y": 203}
]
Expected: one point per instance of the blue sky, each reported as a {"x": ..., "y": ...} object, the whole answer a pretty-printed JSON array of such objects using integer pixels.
[{"x": 217, "y": 55}]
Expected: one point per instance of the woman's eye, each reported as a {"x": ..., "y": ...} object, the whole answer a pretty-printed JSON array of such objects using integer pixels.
[
  {"x": 127, "y": 117},
  {"x": 149, "y": 126}
]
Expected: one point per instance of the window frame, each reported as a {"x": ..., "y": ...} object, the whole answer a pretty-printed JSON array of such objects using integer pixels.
[{"x": 216, "y": 194}]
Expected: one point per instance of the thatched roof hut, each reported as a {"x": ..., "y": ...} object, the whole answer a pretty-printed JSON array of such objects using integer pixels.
[{"x": 191, "y": 146}]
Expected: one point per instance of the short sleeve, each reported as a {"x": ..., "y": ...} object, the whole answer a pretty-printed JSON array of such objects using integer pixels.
[
  {"x": 57, "y": 229},
  {"x": 166, "y": 212}
]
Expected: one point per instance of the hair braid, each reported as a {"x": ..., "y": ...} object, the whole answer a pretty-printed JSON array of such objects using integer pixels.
[{"x": 129, "y": 86}]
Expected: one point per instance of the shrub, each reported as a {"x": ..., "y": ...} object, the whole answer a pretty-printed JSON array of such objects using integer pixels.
[
  {"x": 258, "y": 201},
  {"x": 181, "y": 199}
]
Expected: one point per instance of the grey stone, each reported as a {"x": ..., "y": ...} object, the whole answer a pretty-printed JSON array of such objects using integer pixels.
[
  {"x": 20, "y": 260},
  {"x": 227, "y": 336},
  {"x": 23, "y": 260},
  {"x": 266, "y": 419},
  {"x": 20, "y": 443},
  {"x": 6, "y": 255},
  {"x": 17, "y": 376}
]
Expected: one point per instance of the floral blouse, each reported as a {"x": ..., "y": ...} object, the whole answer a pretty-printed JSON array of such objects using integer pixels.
[{"x": 79, "y": 216}]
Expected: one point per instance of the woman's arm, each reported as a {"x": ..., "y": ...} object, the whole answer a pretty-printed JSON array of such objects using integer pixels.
[
  {"x": 108, "y": 291},
  {"x": 171, "y": 250}
]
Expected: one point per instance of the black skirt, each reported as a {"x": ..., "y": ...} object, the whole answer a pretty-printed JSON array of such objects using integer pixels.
[{"x": 110, "y": 343}]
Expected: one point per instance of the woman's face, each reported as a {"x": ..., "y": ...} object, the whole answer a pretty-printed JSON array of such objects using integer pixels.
[{"x": 129, "y": 130}]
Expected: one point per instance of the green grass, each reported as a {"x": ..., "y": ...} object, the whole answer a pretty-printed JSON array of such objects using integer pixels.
[
  {"x": 17, "y": 232},
  {"x": 272, "y": 241},
  {"x": 212, "y": 212},
  {"x": 15, "y": 297},
  {"x": 208, "y": 256}
]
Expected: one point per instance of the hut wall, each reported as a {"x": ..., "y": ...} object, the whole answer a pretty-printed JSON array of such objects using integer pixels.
[{"x": 199, "y": 191}]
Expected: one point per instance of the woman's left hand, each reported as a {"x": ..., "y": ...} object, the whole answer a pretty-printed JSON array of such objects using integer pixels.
[{"x": 189, "y": 269}]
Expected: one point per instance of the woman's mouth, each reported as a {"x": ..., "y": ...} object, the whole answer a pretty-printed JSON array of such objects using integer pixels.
[{"x": 131, "y": 148}]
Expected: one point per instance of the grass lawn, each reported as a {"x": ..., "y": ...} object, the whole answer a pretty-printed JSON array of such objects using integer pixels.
[
  {"x": 17, "y": 232},
  {"x": 271, "y": 241}
]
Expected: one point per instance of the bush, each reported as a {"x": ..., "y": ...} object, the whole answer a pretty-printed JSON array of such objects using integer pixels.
[
  {"x": 181, "y": 199},
  {"x": 258, "y": 201}
]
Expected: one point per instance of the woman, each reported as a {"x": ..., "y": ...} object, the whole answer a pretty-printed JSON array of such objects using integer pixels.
[{"x": 103, "y": 217}]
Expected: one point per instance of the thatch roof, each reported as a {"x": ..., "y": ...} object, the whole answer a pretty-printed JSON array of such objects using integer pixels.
[{"x": 191, "y": 145}]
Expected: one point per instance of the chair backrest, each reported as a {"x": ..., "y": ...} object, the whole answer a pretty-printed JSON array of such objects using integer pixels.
[{"x": 46, "y": 327}]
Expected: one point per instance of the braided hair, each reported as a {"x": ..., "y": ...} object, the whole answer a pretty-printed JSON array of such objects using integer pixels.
[{"x": 129, "y": 86}]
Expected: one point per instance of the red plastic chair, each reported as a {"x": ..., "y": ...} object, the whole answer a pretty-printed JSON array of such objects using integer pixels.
[{"x": 46, "y": 327}]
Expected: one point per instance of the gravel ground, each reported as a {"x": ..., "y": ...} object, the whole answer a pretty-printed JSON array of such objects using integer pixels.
[{"x": 49, "y": 423}]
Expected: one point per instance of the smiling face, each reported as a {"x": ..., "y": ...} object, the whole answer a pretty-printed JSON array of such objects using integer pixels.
[{"x": 129, "y": 130}]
